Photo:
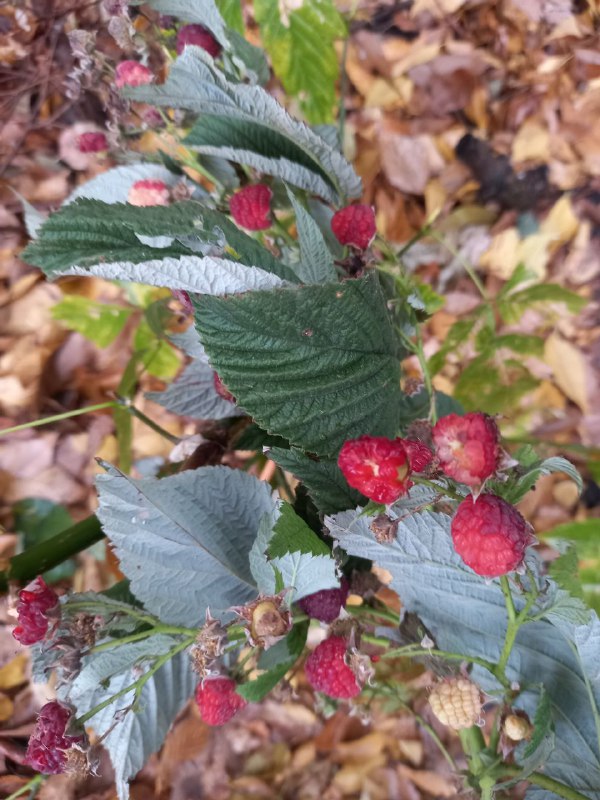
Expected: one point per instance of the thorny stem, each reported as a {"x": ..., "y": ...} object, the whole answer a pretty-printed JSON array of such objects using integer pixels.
[
  {"x": 31, "y": 786},
  {"x": 136, "y": 685}
]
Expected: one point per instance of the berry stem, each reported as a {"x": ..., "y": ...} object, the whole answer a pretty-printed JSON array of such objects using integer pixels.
[
  {"x": 136, "y": 637},
  {"x": 36, "y": 423},
  {"x": 31, "y": 786},
  {"x": 412, "y": 650},
  {"x": 514, "y": 624},
  {"x": 440, "y": 489},
  {"x": 420, "y": 353},
  {"x": 473, "y": 743},
  {"x": 545, "y": 782},
  {"x": 139, "y": 684}
]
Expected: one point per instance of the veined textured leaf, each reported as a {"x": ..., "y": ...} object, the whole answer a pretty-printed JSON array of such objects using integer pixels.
[
  {"x": 91, "y": 232},
  {"x": 250, "y": 115},
  {"x": 287, "y": 546},
  {"x": 301, "y": 46},
  {"x": 314, "y": 364},
  {"x": 190, "y": 273},
  {"x": 466, "y": 614},
  {"x": 291, "y": 649},
  {"x": 183, "y": 541},
  {"x": 136, "y": 736},
  {"x": 323, "y": 479},
  {"x": 316, "y": 262},
  {"x": 193, "y": 394}
]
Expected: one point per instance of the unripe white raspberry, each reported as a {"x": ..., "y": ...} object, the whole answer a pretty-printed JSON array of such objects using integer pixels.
[
  {"x": 517, "y": 728},
  {"x": 456, "y": 702}
]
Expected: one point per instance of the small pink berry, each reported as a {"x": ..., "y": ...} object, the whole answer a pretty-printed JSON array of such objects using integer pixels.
[
  {"x": 354, "y": 225},
  {"x": 35, "y": 601},
  {"x": 377, "y": 467},
  {"x": 218, "y": 700},
  {"x": 200, "y": 36},
  {"x": 92, "y": 142},
  {"x": 467, "y": 447},
  {"x": 132, "y": 73},
  {"x": 251, "y": 206},
  {"x": 149, "y": 193}
]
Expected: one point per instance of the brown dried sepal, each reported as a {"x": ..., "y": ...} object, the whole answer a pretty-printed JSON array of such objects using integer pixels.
[
  {"x": 384, "y": 529},
  {"x": 268, "y": 620}
]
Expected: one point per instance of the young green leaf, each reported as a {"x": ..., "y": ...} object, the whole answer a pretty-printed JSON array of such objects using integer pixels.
[
  {"x": 316, "y": 262},
  {"x": 101, "y": 323}
]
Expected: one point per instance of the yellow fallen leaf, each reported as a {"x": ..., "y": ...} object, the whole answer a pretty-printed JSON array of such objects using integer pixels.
[
  {"x": 437, "y": 8},
  {"x": 500, "y": 258},
  {"x": 430, "y": 782},
  {"x": 561, "y": 224},
  {"x": 570, "y": 369},
  {"x": 13, "y": 673},
  {"x": 6, "y": 708},
  {"x": 349, "y": 780},
  {"x": 358, "y": 750},
  {"x": 532, "y": 143}
]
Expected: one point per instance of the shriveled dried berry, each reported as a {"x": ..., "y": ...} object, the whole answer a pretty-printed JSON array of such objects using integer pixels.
[
  {"x": 49, "y": 744},
  {"x": 35, "y": 601},
  {"x": 467, "y": 447},
  {"x": 326, "y": 604},
  {"x": 200, "y": 36}
]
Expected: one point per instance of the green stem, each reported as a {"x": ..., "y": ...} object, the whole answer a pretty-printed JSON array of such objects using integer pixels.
[
  {"x": 409, "y": 651},
  {"x": 136, "y": 637},
  {"x": 365, "y": 610},
  {"x": 378, "y": 641},
  {"x": 420, "y": 353},
  {"x": 135, "y": 412},
  {"x": 465, "y": 264},
  {"x": 473, "y": 743},
  {"x": 508, "y": 599},
  {"x": 137, "y": 685},
  {"x": 420, "y": 234},
  {"x": 486, "y": 784},
  {"x": 440, "y": 489},
  {"x": 30, "y": 786},
  {"x": 36, "y": 423},
  {"x": 514, "y": 623},
  {"x": 51, "y": 552},
  {"x": 545, "y": 782}
]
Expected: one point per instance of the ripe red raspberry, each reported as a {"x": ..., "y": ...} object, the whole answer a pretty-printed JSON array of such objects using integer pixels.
[
  {"x": 326, "y": 670},
  {"x": 149, "y": 193},
  {"x": 490, "y": 535},
  {"x": 467, "y": 447},
  {"x": 92, "y": 142},
  {"x": 419, "y": 455},
  {"x": 35, "y": 600},
  {"x": 376, "y": 466},
  {"x": 218, "y": 701},
  {"x": 221, "y": 389},
  {"x": 200, "y": 36},
  {"x": 251, "y": 206},
  {"x": 326, "y": 604},
  {"x": 48, "y": 744},
  {"x": 132, "y": 73},
  {"x": 354, "y": 225}
]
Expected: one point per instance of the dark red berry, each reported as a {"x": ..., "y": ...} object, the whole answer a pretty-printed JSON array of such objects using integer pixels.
[
  {"x": 490, "y": 535},
  {"x": 354, "y": 225},
  {"x": 377, "y": 467},
  {"x": 218, "y": 700},
  {"x": 251, "y": 207},
  {"x": 467, "y": 447},
  {"x": 419, "y": 455},
  {"x": 48, "y": 744},
  {"x": 132, "y": 73},
  {"x": 35, "y": 601},
  {"x": 200, "y": 36},
  {"x": 92, "y": 142},
  {"x": 326, "y": 669},
  {"x": 326, "y": 604}
]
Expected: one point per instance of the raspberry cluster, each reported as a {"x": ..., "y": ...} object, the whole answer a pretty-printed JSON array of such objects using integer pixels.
[
  {"x": 326, "y": 670},
  {"x": 49, "y": 744},
  {"x": 251, "y": 207},
  {"x": 380, "y": 467},
  {"x": 218, "y": 700},
  {"x": 197, "y": 35},
  {"x": 35, "y": 601}
]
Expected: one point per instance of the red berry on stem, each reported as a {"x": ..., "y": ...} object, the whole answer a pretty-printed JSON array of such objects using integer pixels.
[
  {"x": 376, "y": 466},
  {"x": 92, "y": 142},
  {"x": 35, "y": 600},
  {"x": 326, "y": 604},
  {"x": 132, "y": 73},
  {"x": 467, "y": 447},
  {"x": 326, "y": 670},
  {"x": 48, "y": 744},
  {"x": 199, "y": 36},
  {"x": 354, "y": 225},
  {"x": 490, "y": 535},
  {"x": 149, "y": 193},
  {"x": 251, "y": 207},
  {"x": 218, "y": 701}
]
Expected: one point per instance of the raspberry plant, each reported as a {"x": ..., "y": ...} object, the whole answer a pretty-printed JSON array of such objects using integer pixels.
[{"x": 300, "y": 321}]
